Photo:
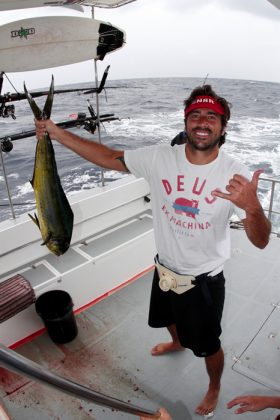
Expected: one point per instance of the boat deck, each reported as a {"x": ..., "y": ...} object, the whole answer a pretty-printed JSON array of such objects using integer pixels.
[{"x": 111, "y": 353}]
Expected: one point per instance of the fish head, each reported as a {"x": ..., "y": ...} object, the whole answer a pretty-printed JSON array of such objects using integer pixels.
[{"x": 58, "y": 246}]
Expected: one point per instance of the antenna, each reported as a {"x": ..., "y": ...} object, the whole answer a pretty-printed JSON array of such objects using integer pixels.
[
  {"x": 205, "y": 79},
  {"x": 1, "y": 80}
]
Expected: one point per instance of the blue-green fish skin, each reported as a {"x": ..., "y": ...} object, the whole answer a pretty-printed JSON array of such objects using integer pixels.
[{"x": 54, "y": 215}]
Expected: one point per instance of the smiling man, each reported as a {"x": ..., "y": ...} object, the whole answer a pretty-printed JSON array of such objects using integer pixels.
[{"x": 195, "y": 188}]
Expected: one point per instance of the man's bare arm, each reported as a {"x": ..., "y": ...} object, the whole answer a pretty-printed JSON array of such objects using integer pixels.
[{"x": 96, "y": 153}]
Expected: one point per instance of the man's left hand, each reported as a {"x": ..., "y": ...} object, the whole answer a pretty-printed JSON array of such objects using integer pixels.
[{"x": 242, "y": 192}]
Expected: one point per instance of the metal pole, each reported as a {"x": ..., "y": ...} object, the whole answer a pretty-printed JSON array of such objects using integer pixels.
[
  {"x": 98, "y": 116},
  {"x": 271, "y": 200},
  {"x": 97, "y": 106},
  {"x": 7, "y": 186},
  {"x": 20, "y": 364}
]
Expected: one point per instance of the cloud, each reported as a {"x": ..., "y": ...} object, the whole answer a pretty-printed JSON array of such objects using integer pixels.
[{"x": 261, "y": 8}]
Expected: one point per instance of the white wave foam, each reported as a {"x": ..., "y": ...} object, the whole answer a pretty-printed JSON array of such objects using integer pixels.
[
  {"x": 22, "y": 190},
  {"x": 257, "y": 127}
]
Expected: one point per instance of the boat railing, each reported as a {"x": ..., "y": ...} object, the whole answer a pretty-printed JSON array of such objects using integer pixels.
[
  {"x": 269, "y": 193},
  {"x": 270, "y": 187}
]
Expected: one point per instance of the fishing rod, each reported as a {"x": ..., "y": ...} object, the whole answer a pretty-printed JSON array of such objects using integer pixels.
[
  {"x": 7, "y": 111},
  {"x": 19, "y": 364},
  {"x": 18, "y": 96},
  {"x": 88, "y": 123}
]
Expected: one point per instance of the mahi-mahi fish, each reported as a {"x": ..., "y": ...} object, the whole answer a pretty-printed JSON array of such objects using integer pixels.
[{"x": 54, "y": 215}]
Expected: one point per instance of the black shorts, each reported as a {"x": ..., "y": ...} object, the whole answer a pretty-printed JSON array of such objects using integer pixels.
[{"x": 198, "y": 323}]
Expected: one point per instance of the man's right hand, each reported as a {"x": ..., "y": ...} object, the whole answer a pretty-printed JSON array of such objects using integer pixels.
[{"x": 45, "y": 125}]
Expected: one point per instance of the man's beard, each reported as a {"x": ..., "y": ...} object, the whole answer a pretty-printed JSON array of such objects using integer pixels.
[{"x": 193, "y": 143}]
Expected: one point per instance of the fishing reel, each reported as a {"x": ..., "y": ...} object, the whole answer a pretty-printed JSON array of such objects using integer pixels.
[
  {"x": 7, "y": 111},
  {"x": 6, "y": 145},
  {"x": 90, "y": 126}
]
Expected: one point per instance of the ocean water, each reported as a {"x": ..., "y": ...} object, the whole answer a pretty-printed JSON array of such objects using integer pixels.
[{"x": 149, "y": 111}]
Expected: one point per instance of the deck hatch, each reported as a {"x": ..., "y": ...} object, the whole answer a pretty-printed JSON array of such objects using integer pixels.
[{"x": 261, "y": 358}]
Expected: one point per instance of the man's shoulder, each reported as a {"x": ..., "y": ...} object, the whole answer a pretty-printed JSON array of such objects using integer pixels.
[{"x": 232, "y": 163}]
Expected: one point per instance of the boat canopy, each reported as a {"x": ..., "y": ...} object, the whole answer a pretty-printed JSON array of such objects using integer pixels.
[
  {"x": 26, "y": 4},
  {"x": 276, "y": 3},
  {"x": 107, "y": 3}
]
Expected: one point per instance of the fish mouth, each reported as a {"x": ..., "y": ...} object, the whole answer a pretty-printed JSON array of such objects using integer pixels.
[{"x": 58, "y": 246}]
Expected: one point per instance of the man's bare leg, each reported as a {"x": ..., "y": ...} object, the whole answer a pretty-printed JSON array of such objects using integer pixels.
[
  {"x": 173, "y": 345},
  {"x": 214, "y": 367}
]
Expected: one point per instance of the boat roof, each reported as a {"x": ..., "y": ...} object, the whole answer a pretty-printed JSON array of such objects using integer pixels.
[
  {"x": 276, "y": 3},
  {"x": 111, "y": 353},
  {"x": 27, "y": 4}
]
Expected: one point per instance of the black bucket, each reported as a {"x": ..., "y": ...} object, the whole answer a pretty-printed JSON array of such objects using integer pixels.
[{"x": 56, "y": 309}]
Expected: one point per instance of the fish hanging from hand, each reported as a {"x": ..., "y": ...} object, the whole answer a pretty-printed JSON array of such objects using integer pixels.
[{"x": 54, "y": 215}]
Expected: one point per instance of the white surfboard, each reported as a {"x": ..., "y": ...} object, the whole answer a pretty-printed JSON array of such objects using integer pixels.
[
  {"x": 26, "y": 4},
  {"x": 52, "y": 41}
]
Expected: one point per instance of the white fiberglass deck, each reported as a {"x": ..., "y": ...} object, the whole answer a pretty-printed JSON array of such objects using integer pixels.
[{"x": 112, "y": 351}]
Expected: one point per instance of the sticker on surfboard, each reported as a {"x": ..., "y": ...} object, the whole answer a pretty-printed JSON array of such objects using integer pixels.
[{"x": 53, "y": 41}]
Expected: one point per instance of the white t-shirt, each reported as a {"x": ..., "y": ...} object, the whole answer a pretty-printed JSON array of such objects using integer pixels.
[{"x": 191, "y": 226}]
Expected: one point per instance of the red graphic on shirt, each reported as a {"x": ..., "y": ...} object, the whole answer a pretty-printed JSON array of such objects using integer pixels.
[{"x": 185, "y": 206}]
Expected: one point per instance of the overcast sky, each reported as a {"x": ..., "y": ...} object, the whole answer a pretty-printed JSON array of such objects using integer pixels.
[{"x": 237, "y": 39}]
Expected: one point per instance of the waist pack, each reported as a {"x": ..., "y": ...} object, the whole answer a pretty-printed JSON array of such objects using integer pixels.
[{"x": 178, "y": 283}]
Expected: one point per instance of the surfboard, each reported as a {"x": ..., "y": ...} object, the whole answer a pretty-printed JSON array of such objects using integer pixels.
[
  {"x": 26, "y": 4},
  {"x": 53, "y": 41}
]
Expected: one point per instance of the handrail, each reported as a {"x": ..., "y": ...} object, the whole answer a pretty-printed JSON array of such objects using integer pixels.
[
  {"x": 270, "y": 210},
  {"x": 13, "y": 361}
]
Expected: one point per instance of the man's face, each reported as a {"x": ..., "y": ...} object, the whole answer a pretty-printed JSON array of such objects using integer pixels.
[{"x": 204, "y": 128}]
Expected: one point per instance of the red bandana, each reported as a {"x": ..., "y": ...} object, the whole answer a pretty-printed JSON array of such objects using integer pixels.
[{"x": 205, "y": 102}]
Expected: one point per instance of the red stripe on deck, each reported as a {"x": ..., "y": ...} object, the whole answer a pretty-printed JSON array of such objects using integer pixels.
[{"x": 83, "y": 308}]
